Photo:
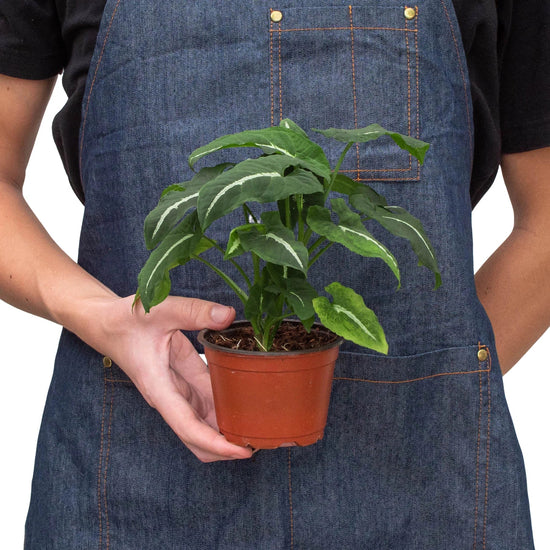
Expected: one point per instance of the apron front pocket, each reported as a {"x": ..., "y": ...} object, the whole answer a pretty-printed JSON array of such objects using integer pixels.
[{"x": 405, "y": 453}]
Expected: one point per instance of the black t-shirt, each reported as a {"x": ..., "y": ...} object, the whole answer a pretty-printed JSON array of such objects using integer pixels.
[{"x": 507, "y": 45}]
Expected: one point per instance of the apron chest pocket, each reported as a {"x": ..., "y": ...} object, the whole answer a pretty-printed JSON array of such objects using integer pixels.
[{"x": 349, "y": 66}]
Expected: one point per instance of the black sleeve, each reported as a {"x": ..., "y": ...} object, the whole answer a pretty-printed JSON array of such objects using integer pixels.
[
  {"x": 525, "y": 81},
  {"x": 31, "y": 44}
]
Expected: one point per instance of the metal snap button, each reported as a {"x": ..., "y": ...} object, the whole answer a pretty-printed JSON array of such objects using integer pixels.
[
  {"x": 482, "y": 354},
  {"x": 409, "y": 13},
  {"x": 276, "y": 16},
  {"x": 107, "y": 363}
]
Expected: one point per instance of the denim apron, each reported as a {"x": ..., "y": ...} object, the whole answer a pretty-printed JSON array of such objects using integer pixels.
[{"x": 419, "y": 451}]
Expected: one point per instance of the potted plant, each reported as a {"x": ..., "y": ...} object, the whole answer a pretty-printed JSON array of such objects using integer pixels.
[{"x": 252, "y": 365}]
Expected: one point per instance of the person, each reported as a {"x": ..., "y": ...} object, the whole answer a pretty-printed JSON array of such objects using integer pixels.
[{"x": 151, "y": 353}]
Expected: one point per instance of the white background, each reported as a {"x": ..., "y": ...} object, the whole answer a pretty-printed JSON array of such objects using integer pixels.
[{"x": 28, "y": 349}]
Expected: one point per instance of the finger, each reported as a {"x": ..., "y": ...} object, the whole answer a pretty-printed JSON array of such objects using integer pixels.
[
  {"x": 205, "y": 442},
  {"x": 195, "y": 314}
]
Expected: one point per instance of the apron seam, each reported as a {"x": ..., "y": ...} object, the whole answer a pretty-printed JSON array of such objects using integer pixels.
[
  {"x": 411, "y": 379},
  {"x": 476, "y": 508},
  {"x": 291, "y": 512},
  {"x": 271, "y": 81},
  {"x": 417, "y": 87},
  {"x": 104, "y": 527},
  {"x": 100, "y": 58},
  {"x": 464, "y": 85},
  {"x": 100, "y": 514},
  {"x": 485, "y": 514},
  {"x": 354, "y": 84}
]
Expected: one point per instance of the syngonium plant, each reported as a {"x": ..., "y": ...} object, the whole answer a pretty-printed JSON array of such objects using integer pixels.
[{"x": 293, "y": 173}]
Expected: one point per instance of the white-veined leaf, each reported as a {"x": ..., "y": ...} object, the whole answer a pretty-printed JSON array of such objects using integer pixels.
[
  {"x": 349, "y": 317},
  {"x": 371, "y": 132},
  {"x": 175, "y": 249},
  {"x": 274, "y": 243},
  {"x": 253, "y": 180},
  {"x": 349, "y": 232},
  {"x": 176, "y": 200},
  {"x": 280, "y": 140}
]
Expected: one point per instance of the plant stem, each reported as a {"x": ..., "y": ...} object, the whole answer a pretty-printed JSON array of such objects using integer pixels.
[
  {"x": 319, "y": 254},
  {"x": 287, "y": 213},
  {"x": 300, "y": 206},
  {"x": 237, "y": 266},
  {"x": 319, "y": 241},
  {"x": 337, "y": 168},
  {"x": 248, "y": 214},
  {"x": 256, "y": 263},
  {"x": 232, "y": 284}
]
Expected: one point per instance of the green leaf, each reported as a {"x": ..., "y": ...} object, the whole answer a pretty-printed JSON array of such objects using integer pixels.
[
  {"x": 176, "y": 200},
  {"x": 371, "y": 132},
  {"x": 234, "y": 247},
  {"x": 346, "y": 186},
  {"x": 349, "y": 317},
  {"x": 274, "y": 139},
  {"x": 349, "y": 232},
  {"x": 298, "y": 293},
  {"x": 260, "y": 180},
  {"x": 401, "y": 223},
  {"x": 175, "y": 249},
  {"x": 170, "y": 209},
  {"x": 291, "y": 125},
  {"x": 275, "y": 243},
  {"x": 174, "y": 187}
]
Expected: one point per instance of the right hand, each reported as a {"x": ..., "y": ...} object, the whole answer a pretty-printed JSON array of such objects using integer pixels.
[{"x": 166, "y": 368}]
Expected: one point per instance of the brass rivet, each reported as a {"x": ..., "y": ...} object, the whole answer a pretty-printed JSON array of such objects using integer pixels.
[
  {"x": 276, "y": 16},
  {"x": 482, "y": 354},
  {"x": 107, "y": 363},
  {"x": 409, "y": 13}
]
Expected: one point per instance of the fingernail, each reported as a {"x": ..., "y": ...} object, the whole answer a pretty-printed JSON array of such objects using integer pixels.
[{"x": 219, "y": 314}]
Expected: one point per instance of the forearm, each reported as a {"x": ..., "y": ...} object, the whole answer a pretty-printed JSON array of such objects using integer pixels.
[
  {"x": 35, "y": 274},
  {"x": 513, "y": 287},
  {"x": 514, "y": 284}
]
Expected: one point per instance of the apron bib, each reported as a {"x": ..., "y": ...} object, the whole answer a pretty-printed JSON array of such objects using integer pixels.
[{"x": 419, "y": 451}]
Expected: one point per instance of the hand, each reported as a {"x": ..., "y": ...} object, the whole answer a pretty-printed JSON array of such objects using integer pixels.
[{"x": 166, "y": 368}]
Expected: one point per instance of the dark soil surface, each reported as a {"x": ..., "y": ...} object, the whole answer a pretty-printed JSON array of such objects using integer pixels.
[{"x": 289, "y": 337}]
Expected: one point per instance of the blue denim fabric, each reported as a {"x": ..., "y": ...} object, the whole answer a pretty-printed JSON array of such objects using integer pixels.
[{"x": 419, "y": 450}]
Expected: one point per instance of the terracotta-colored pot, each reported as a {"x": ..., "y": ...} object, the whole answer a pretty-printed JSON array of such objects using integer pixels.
[{"x": 267, "y": 399}]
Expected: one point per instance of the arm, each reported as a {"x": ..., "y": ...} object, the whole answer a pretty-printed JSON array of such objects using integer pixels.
[
  {"x": 37, "y": 276},
  {"x": 514, "y": 283}
]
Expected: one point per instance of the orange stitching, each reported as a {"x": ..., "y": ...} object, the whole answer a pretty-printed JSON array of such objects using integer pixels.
[
  {"x": 411, "y": 380},
  {"x": 354, "y": 82},
  {"x": 476, "y": 508},
  {"x": 118, "y": 380},
  {"x": 379, "y": 170},
  {"x": 417, "y": 87},
  {"x": 346, "y": 29},
  {"x": 280, "y": 78},
  {"x": 101, "y": 461},
  {"x": 84, "y": 118},
  {"x": 461, "y": 72},
  {"x": 408, "y": 89},
  {"x": 106, "y": 465},
  {"x": 387, "y": 179},
  {"x": 488, "y": 449},
  {"x": 272, "y": 84},
  {"x": 290, "y": 500}
]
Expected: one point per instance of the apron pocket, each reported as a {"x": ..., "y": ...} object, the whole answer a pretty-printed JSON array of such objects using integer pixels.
[
  {"x": 404, "y": 462},
  {"x": 349, "y": 66}
]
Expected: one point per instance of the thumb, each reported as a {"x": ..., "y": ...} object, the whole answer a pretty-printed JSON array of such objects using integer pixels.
[{"x": 196, "y": 314}]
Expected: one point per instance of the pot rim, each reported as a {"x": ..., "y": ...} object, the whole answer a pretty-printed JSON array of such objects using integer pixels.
[{"x": 201, "y": 338}]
